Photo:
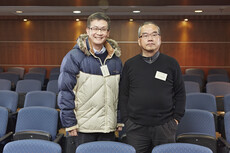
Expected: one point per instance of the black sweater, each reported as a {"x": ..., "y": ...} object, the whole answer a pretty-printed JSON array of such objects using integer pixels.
[{"x": 147, "y": 99}]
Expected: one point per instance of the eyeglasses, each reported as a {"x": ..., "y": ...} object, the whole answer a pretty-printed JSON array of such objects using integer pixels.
[
  {"x": 146, "y": 35},
  {"x": 96, "y": 29}
]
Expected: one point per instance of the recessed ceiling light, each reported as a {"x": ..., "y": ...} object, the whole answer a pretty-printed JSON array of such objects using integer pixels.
[
  {"x": 77, "y": 12},
  {"x": 186, "y": 20},
  {"x": 25, "y": 20},
  {"x": 137, "y": 11},
  {"x": 198, "y": 11},
  {"x": 19, "y": 12},
  {"x": 77, "y": 20},
  {"x": 131, "y": 20}
]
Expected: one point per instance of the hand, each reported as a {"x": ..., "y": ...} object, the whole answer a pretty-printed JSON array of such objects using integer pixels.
[
  {"x": 119, "y": 128},
  {"x": 176, "y": 121},
  {"x": 73, "y": 132}
]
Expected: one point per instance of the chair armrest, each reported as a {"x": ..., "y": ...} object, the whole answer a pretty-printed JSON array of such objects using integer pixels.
[
  {"x": 223, "y": 142},
  {"x": 199, "y": 139},
  {"x": 13, "y": 114},
  {"x": 223, "y": 145},
  {"x": 32, "y": 135},
  {"x": 58, "y": 138},
  {"x": 7, "y": 136}
]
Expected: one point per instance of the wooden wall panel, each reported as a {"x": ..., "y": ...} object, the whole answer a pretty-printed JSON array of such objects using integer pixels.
[
  {"x": 129, "y": 50},
  {"x": 43, "y": 42}
]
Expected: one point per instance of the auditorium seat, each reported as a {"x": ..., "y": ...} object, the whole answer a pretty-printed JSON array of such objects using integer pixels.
[
  {"x": 13, "y": 77},
  {"x": 203, "y": 101},
  {"x": 54, "y": 73},
  {"x": 40, "y": 98},
  {"x": 24, "y": 86},
  {"x": 227, "y": 103},
  {"x": 217, "y": 78},
  {"x": 197, "y": 127},
  {"x": 40, "y": 70},
  {"x": 218, "y": 89},
  {"x": 217, "y": 71},
  {"x": 4, "y": 136},
  {"x": 1, "y": 70},
  {"x": 227, "y": 126},
  {"x": 5, "y": 84},
  {"x": 35, "y": 76},
  {"x": 105, "y": 147},
  {"x": 54, "y": 76},
  {"x": 195, "y": 71},
  {"x": 55, "y": 70},
  {"x": 32, "y": 146},
  {"x": 221, "y": 116},
  {"x": 224, "y": 142},
  {"x": 191, "y": 87},
  {"x": 52, "y": 86},
  {"x": 180, "y": 148},
  {"x": 17, "y": 70},
  {"x": 37, "y": 123},
  {"x": 194, "y": 78},
  {"x": 9, "y": 100}
]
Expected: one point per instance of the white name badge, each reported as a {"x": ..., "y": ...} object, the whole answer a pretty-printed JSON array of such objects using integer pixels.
[
  {"x": 105, "y": 70},
  {"x": 161, "y": 76}
]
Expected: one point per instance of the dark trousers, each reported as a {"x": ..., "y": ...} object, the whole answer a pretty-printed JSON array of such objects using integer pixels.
[
  {"x": 145, "y": 138},
  {"x": 89, "y": 137}
]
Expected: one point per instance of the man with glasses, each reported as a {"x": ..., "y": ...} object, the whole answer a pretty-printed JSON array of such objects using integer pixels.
[
  {"x": 88, "y": 84},
  {"x": 152, "y": 93}
]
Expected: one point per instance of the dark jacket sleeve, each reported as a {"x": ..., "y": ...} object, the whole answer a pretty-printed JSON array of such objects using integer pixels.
[
  {"x": 66, "y": 82},
  {"x": 124, "y": 94},
  {"x": 179, "y": 97}
]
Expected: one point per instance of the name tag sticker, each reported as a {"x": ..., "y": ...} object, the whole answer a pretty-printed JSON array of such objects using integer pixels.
[
  {"x": 161, "y": 76},
  {"x": 105, "y": 70}
]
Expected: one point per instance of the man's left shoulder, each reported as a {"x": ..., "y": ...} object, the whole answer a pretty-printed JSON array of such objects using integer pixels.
[{"x": 168, "y": 58}]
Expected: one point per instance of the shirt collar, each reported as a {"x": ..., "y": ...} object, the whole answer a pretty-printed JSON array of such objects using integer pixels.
[
  {"x": 101, "y": 51},
  {"x": 151, "y": 59}
]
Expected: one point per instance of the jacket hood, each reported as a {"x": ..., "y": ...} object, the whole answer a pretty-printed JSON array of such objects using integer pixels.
[{"x": 110, "y": 45}]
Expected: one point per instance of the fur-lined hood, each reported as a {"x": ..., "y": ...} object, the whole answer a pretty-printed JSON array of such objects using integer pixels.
[{"x": 110, "y": 45}]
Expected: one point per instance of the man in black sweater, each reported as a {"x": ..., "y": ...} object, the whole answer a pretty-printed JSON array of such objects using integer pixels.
[{"x": 152, "y": 93}]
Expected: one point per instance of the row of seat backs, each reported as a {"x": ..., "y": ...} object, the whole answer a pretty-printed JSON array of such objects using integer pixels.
[
  {"x": 215, "y": 88},
  {"x": 215, "y": 74},
  {"x": 21, "y": 70},
  {"x": 100, "y": 147},
  {"x": 203, "y": 101},
  {"x": 210, "y": 78},
  {"x": 16, "y": 73},
  {"x": 57, "y": 70},
  {"x": 9, "y": 99},
  {"x": 116, "y": 147},
  {"x": 24, "y": 86},
  {"x": 43, "y": 119},
  {"x": 197, "y": 75},
  {"x": 197, "y": 126},
  {"x": 14, "y": 78},
  {"x": 200, "y": 72}
]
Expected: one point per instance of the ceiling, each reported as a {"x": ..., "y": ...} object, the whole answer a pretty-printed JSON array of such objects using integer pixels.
[{"x": 118, "y": 8}]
